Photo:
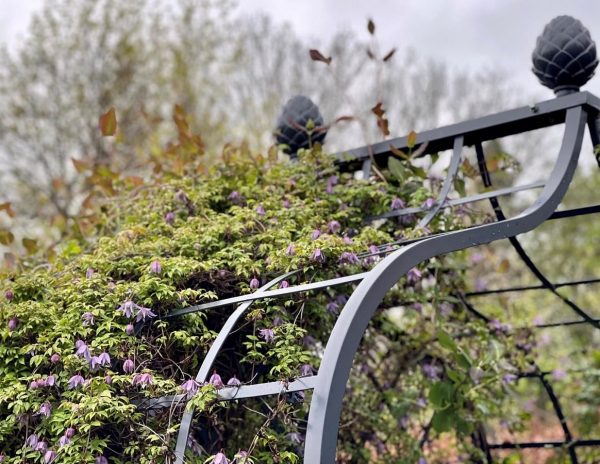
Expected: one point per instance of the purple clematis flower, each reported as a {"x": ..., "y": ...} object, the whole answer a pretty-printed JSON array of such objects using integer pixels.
[
  {"x": 216, "y": 380},
  {"x": 267, "y": 334},
  {"x": 430, "y": 371},
  {"x": 334, "y": 227},
  {"x": 55, "y": 358},
  {"x": 82, "y": 350},
  {"x": 294, "y": 437},
  {"x": 397, "y": 203},
  {"x": 129, "y": 329},
  {"x": 284, "y": 284},
  {"x": 64, "y": 441},
  {"x": 286, "y": 203},
  {"x": 41, "y": 446},
  {"x": 50, "y": 380},
  {"x": 128, "y": 366},
  {"x": 315, "y": 234},
  {"x": 143, "y": 379},
  {"x": 234, "y": 196},
  {"x": 291, "y": 250},
  {"x": 127, "y": 308},
  {"x": 233, "y": 381},
  {"x": 170, "y": 218},
  {"x": 306, "y": 369},
  {"x": 260, "y": 210},
  {"x": 9, "y": 295},
  {"x": 190, "y": 387},
  {"x": 32, "y": 441},
  {"x": 104, "y": 359},
  {"x": 13, "y": 323},
  {"x": 429, "y": 203},
  {"x": 349, "y": 258},
  {"x": 333, "y": 308},
  {"x": 318, "y": 256},
  {"x": 89, "y": 273},
  {"x": 76, "y": 381},
  {"x": 101, "y": 460},
  {"x": 143, "y": 313},
  {"x": 414, "y": 275},
  {"x": 220, "y": 458},
  {"x": 108, "y": 379},
  {"x": 49, "y": 456},
  {"x": 70, "y": 432},
  {"x": 155, "y": 267},
  {"x": 254, "y": 283},
  {"x": 88, "y": 319},
  {"x": 508, "y": 378},
  {"x": 45, "y": 409}
]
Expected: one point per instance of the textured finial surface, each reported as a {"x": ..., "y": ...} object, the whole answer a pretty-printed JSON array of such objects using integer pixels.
[
  {"x": 564, "y": 58},
  {"x": 292, "y": 123}
]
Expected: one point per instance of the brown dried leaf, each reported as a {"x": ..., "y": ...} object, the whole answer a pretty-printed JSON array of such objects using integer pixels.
[
  {"x": 316, "y": 55},
  {"x": 6, "y": 237},
  {"x": 371, "y": 26},
  {"x": 108, "y": 123},
  {"x": 81, "y": 166},
  {"x": 8, "y": 208},
  {"x": 30, "y": 244},
  {"x": 389, "y": 55}
]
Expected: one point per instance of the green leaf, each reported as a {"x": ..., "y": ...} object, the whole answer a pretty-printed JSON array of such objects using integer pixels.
[
  {"x": 397, "y": 169},
  {"x": 440, "y": 395},
  {"x": 444, "y": 421},
  {"x": 446, "y": 341}
]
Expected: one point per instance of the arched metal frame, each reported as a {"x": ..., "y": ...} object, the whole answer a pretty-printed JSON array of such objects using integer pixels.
[{"x": 329, "y": 384}]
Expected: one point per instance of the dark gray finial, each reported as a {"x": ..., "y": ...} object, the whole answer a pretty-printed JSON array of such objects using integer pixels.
[
  {"x": 565, "y": 55},
  {"x": 292, "y": 124}
]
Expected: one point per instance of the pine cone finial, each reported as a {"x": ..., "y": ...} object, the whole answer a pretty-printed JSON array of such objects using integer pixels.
[
  {"x": 564, "y": 58},
  {"x": 294, "y": 127}
]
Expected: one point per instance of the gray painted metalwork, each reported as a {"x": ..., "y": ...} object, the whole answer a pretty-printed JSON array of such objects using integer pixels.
[{"x": 345, "y": 337}]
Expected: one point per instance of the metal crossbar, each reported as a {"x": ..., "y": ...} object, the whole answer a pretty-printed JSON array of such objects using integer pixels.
[{"x": 397, "y": 258}]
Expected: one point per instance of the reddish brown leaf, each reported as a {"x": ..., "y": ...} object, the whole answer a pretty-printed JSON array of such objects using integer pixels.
[
  {"x": 371, "y": 27},
  {"x": 382, "y": 121},
  {"x": 108, "y": 123},
  {"x": 316, "y": 55},
  {"x": 378, "y": 110},
  {"x": 81, "y": 166},
  {"x": 8, "y": 208},
  {"x": 370, "y": 54},
  {"x": 389, "y": 55},
  {"x": 344, "y": 119}
]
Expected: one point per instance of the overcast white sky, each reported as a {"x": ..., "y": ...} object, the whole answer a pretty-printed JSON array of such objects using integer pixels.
[{"x": 467, "y": 33}]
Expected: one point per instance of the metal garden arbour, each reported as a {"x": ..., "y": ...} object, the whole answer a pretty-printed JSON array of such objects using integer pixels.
[{"x": 564, "y": 36}]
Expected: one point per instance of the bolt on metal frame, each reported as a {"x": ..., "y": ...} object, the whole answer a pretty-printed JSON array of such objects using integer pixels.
[{"x": 329, "y": 384}]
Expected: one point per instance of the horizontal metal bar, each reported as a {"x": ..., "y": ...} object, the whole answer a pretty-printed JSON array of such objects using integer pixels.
[
  {"x": 527, "y": 118},
  {"x": 268, "y": 294},
  {"x": 594, "y": 280},
  {"x": 230, "y": 393},
  {"x": 575, "y": 212},
  {"x": 545, "y": 444},
  {"x": 461, "y": 201}
]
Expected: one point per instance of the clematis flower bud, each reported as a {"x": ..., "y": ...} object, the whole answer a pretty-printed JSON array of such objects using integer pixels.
[
  {"x": 216, "y": 380},
  {"x": 291, "y": 250},
  {"x": 9, "y": 295},
  {"x": 155, "y": 267},
  {"x": 254, "y": 283},
  {"x": 55, "y": 358},
  {"x": 129, "y": 329},
  {"x": 397, "y": 203},
  {"x": 13, "y": 324},
  {"x": 128, "y": 366},
  {"x": 170, "y": 218},
  {"x": 260, "y": 210},
  {"x": 267, "y": 334},
  {"x": 233, "y": 381}
]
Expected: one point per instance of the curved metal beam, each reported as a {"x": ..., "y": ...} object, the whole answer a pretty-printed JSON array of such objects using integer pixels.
[{"x": 326, "y": 404}]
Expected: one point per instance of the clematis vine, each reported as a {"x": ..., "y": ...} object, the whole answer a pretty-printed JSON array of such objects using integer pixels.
[
  {"x": 267, "y": 334},
  {"x": 13, "y": 323},
  {"x": 88, "y": 319},
  {"x": 75, "y": 381},
  {"x": 45, "y": 409},
  {"x": 190, "y": 387},
  {"x": 397, "y": 203},
  {"x": 216, "y": 380},
  {"x": 318, "y": 256},
  {"x": 155, "y": 267},
  {"x": 143, "y": 379},
  {"x": 234, "y": 381},
  {"x": 333, "y": 227},
  {"x": 128, "y": 366}
]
